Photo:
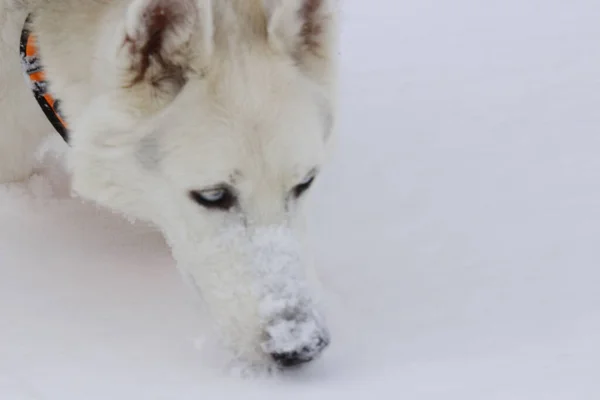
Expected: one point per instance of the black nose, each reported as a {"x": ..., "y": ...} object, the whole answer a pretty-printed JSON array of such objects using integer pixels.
[
  {"x": 291, "y": 359},
  {"x": 302, "y": 356}
]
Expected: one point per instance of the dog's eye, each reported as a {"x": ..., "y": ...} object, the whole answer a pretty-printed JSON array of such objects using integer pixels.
[
  {"x": 218, "y": 198},
  {"x": 303, "y": 186}
]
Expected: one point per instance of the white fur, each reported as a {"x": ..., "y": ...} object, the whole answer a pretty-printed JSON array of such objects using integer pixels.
[{"x": 244, "y": 101}]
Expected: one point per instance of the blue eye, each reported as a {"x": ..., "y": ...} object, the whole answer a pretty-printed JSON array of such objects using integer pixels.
[
  {"x": 303, "y": 186},
  {"x": 212, "y": 195},
  {"x": 218, "y": 198},
  {"x": 307, "y": 180}
]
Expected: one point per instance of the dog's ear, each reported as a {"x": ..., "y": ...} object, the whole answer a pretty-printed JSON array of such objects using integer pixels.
[
  {"x": 304, "y": 29},
  {"x": 157, "y": 46}
]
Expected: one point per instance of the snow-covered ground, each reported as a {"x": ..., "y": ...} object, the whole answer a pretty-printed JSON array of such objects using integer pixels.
[{"x": 457, "y": 230}]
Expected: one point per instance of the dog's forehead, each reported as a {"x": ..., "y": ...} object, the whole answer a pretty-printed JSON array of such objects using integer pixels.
[
  {"x": 252, "y": 119},
  {"x": 213, "y": 145},
  {"x": 239, "y": 150}
]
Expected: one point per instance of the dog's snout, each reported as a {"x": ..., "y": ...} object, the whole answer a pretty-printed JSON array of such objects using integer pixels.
[{"x": 302, "y": 356}]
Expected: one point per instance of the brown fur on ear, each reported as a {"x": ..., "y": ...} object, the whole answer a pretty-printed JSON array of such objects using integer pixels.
[
  {"x": 303, "y": 28},
  {"x": 312, "y": 26},
  {"x": 156, "y": 43},
  {"x": 149, "y": 51}
]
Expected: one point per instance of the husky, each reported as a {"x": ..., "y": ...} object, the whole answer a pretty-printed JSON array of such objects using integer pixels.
[{"x": 208, "y": 119}]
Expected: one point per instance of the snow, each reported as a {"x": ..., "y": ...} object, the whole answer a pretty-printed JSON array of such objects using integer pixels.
[{"x": 456, "y": 231}]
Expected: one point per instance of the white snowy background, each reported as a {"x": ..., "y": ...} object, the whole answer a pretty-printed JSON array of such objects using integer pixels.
[{"x": 457, "y": 231}]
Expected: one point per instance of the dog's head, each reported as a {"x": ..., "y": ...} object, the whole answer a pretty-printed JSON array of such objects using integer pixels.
[{"x": 214, "y": 125}]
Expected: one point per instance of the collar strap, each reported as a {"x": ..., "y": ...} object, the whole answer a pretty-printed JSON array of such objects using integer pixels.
[{"x": 32, "y": 66}]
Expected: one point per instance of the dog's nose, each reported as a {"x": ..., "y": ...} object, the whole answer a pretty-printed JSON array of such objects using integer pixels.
[{"x": 302, "y": 356}]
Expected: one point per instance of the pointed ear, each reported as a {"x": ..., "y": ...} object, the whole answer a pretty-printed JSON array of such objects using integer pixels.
[
  {"x": 305, "y": 29},
  {"x": 157, "y": 49}
]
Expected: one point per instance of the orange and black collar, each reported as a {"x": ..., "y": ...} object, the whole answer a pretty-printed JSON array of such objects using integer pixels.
[{"x": 32, "y": 66}]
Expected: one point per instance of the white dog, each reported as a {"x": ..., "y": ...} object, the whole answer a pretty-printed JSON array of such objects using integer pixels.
[{"x": 210, "y": 119}]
